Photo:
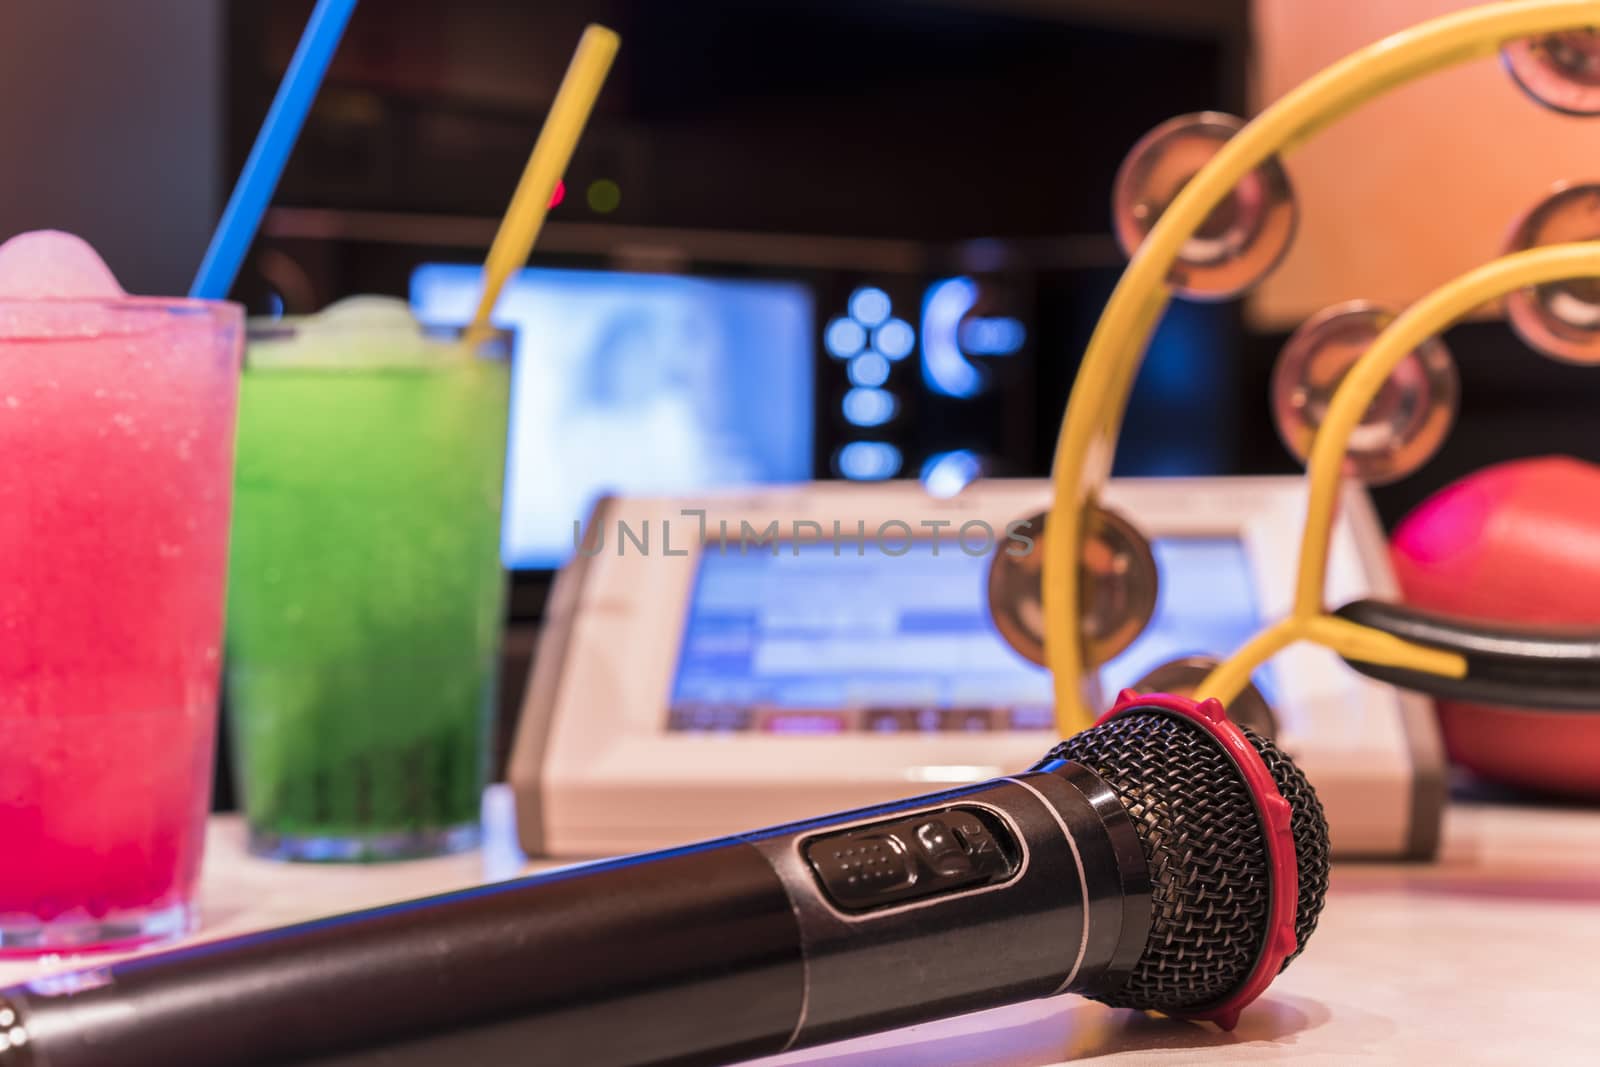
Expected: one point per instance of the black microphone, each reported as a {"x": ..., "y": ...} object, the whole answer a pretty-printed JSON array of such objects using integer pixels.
[{"x": 1165, "y": 860}]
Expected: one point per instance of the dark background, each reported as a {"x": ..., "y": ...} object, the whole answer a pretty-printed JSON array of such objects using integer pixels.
[
  {"x": 915, "y": 125},
  {"x": 903, "y": 125}
]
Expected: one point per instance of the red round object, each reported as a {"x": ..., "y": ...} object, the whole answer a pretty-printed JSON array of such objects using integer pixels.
[
  {"x": 1274, "y": 814},
  {"x": 1517, "y": 542}
]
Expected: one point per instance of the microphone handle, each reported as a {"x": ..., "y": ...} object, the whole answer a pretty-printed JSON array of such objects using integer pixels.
[{"x": 746, "y": 946}]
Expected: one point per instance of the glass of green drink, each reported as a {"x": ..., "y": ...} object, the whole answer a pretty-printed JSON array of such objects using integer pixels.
[{"x": 365, "y": 588}]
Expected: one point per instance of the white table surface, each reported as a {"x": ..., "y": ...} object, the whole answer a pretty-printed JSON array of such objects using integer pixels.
[{"x": 1491, "y": 956}]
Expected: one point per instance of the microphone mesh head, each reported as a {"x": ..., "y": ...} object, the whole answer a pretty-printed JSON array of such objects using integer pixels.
[{"x": 1206, "y": 852}]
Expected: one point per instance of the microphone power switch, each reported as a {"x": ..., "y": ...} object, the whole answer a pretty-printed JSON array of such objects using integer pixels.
[{"x": 913, "y": 858}]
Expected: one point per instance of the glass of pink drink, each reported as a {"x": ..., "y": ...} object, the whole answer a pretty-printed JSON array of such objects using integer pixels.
[{"x": 116, "y": 450}]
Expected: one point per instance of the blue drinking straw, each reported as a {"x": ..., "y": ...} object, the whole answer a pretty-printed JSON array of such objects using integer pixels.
[{"x": 242, "y": 217}]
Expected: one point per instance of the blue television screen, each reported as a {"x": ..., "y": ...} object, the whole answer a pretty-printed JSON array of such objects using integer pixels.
[{"x": 637, "y": 384}]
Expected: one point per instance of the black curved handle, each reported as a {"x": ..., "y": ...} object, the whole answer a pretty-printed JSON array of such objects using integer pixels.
[{"x": 1550, "y": 669}]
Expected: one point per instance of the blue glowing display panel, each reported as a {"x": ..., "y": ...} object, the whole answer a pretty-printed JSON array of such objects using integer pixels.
[
  {"x": 639, "y": 384},
  {"x": 806, "y": 641}
]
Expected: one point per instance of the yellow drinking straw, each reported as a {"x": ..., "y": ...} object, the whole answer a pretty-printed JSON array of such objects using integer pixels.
[
  {"x": 580, "y": 86},
  {"x": 1100, "y": 394}
]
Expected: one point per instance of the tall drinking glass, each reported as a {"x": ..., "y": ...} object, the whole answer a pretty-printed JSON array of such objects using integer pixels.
[
  {"x": 116, "y": 455},
  {"x": 366, "y": 591}
]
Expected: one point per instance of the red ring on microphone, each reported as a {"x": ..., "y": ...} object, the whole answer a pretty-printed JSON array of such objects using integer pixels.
[{"x": 1273, "y": 812}]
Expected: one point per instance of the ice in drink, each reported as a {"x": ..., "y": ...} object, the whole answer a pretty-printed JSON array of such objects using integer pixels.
[
  {"x": 116, "y": 448},
  {"x": 366, "y": 590}
]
